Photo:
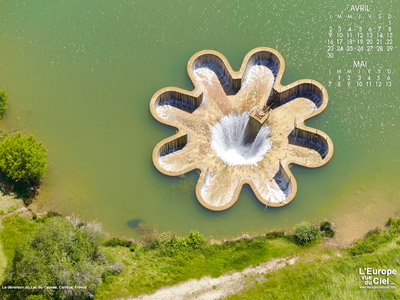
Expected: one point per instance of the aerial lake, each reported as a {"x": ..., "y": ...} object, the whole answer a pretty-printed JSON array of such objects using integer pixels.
[{"x": 80, "y": 76}]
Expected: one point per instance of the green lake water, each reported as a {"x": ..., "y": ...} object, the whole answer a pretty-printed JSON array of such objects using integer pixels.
[{"x": 80, "y": 75}]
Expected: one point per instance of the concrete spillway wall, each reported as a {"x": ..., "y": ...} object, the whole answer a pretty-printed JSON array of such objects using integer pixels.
[
  {"x": 182, "y": 101},
  {"x": 264, "y": 58},
  {"x": 311, "y": 140},
  {"x": 232, "y": 85},
  {"x": 283, "y": 181},
  {"x": 304, "y": 90},
  {"x": 173, "y": 146}
]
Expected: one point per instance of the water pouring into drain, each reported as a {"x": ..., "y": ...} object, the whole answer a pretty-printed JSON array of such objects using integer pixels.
[{"x": 230, "y": 140}]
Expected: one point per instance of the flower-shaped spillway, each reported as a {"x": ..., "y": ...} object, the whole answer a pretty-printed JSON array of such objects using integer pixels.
[{"x": 240, "y": 128}]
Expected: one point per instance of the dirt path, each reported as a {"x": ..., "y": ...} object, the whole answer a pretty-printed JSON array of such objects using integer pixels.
[{"x": 208, "y": 288}]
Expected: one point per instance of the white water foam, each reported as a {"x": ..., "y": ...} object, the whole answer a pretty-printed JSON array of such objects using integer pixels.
[
  {"x": 215, "y": 200},
  {"x": 228, "y": 141},
  {"x": 258, "y": 74},
  {"x": 273, "y": 194},
  {"x": 211, "y": 74}
]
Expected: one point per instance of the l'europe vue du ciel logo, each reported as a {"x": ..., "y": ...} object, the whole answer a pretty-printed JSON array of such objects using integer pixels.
[{"x": 377, "y": 278}]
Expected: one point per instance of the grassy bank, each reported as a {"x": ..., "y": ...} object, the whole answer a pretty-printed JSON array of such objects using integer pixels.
[
  {"x": 160, "y": 259},
  {"x": 325, "y": 274},
  {"x": 323, "y": 271},
  {"x": 146, "y": 270}
]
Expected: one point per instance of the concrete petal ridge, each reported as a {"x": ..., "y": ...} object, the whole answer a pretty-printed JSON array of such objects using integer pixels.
[{"x": 254, "y": 90}]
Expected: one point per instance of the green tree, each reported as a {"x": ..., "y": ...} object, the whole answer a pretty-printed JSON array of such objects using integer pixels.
[
  {"x": 3, "y": 102},
  {"x": 305, "y": 233},
  {"x": 60, "y": 254},
  {"x": 22, "y": 159}
]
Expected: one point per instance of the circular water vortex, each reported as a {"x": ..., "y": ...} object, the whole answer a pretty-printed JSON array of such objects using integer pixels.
[{"x": 228, "y": 138}]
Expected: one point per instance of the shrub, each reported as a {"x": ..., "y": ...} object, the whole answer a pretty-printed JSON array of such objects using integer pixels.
[
  {"x": 167, "y": 243},
  {"x": 171, "y": 246},
  {"x": 372, "y": 240},
  {"x": 58, "y": 254},
  {"x": 258, "y": 242},
  {"x": 52, "y": 214},
  {"x": 36, "y": 297},
  {"x": 48, "y": 215},
  {"x": 115, "y": 241},
  {"x": 375, "y": 238},
  {"x": 395, "y": 227},
  {"x": 22, "y": 159},
  {"x": 389, "y": 222},
  {"x": 3, "y": 102},
  {"x": 372, "y": 233},
  {"x": 325, "y": 225},
  {"x": 274, "y": 235},
  {"x": 133, "y": 247},
  {"x": 329, "y": 233},
  {"x": 326, "y": 228},
  {"x": 149, "y": 234},
  {"x": 305, "y": 233},
  {"x": 175, "y": 244},
  {"x": 195, "y": 240}
]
